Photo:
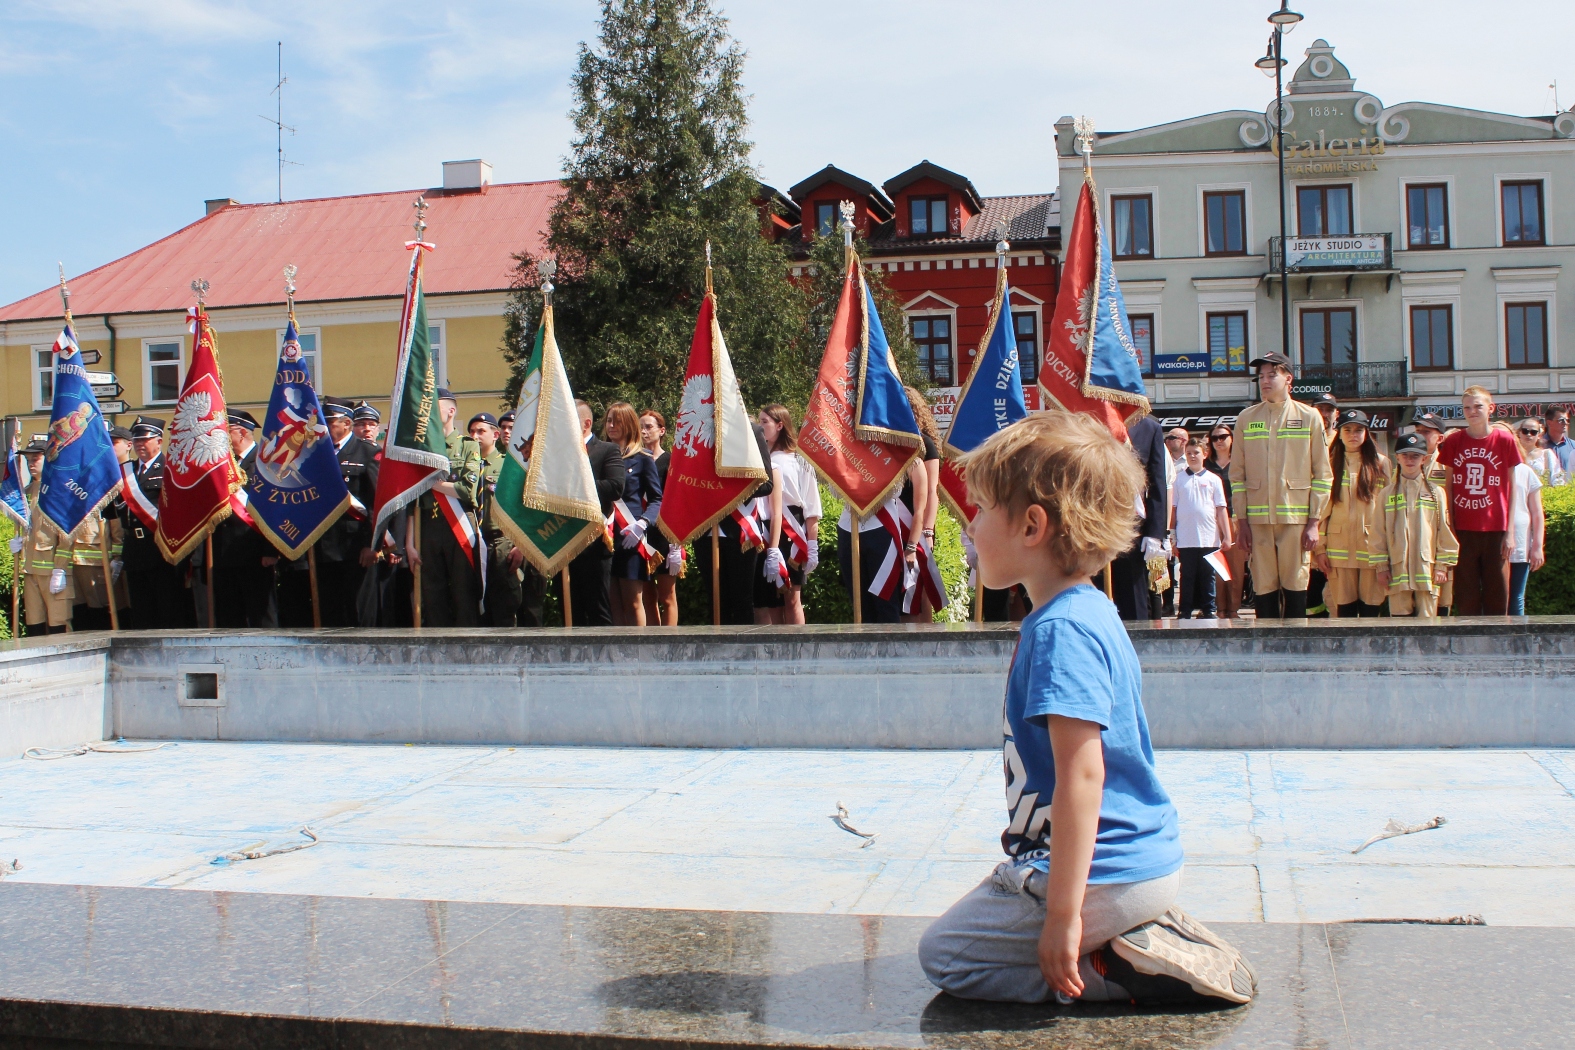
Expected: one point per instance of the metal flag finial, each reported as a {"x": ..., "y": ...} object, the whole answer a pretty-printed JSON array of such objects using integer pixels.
[
  {"x": 421, "y": 207},
  {"x": 1084, "y": 128},
  {"x": 547, "y": 267},
  {"x": 1002, "y": 246},
  {"x": 289, "y": 286},
  {"x": 65, "y": 293},
  {"x": 708, "y": 288},
  {"x": 847, "y": 209},
  {"x": 200, "y": 287}
]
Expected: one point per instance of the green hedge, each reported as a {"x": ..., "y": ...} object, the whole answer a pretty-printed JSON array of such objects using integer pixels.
[
  {"x": 1551, "y": 589},
  {"x": 7, "y": 573}
]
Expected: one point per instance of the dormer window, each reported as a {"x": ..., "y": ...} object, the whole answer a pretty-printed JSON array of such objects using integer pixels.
[
  {"x": 927, "y": 216},
  {"x": 826, "y": 218}
]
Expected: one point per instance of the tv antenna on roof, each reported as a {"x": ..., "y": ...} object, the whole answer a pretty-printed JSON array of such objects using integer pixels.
[{"x": 277, "y": 120}]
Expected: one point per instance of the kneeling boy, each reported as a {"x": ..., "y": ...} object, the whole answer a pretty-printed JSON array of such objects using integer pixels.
[
  {"x": 1085, "y": 905},
  {"x": 1414, "y": 549}
]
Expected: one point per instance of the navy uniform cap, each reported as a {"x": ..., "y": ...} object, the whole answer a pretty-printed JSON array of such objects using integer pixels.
[
  {"x": 365, "y": 411},
  {"x": 239, "y": 417},
  {"x": 445, "y": 394},
  {"x": 1326, "y": 398},
  {"x": 507, "y": 417},
  {"x": 1412, "y": 442},
  {"x": 482, "y": 417},
  {"x": 1429, "y": 420},
  {"x": 333, "y": 408},
  {"x": 147, "y": 427},
  {"x": 120, "y": 433}
]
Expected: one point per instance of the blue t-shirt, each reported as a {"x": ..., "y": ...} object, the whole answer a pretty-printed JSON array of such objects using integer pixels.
[{"x": 1074, "y": 659}]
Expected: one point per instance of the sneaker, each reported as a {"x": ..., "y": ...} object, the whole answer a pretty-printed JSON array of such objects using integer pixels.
[
  {"x": 1164, "y": 948},
  {"x": 1195, "y": 930},
  {"x": 1143, "y": 989}
]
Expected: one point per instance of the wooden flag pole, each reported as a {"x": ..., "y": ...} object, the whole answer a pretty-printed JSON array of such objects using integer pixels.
[
  {"x": 716, "y": 575},
  {"x": 16, "y": 591},
  {"x": 1110, "y": 586},
  {"x": 858, "y": 584},
  {"x": 415, "y": 593},
  {"x": 311, "y": 571},
  {"x": 568, "y": 603},
  {"x": 207, "y": 567},
  {"x": 978, "y": 601},
  {"x": 109, "y": 577}
]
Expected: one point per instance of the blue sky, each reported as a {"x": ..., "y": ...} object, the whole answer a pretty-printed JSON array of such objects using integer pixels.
[{"x": 121, "y": 116}]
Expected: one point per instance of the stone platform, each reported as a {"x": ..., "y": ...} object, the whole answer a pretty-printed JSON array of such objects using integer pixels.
[
  {"x": 90, "y": 966},
  {"x": 1310, "y": 684}
]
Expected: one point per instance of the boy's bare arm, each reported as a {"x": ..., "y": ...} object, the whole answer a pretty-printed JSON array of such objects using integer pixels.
[{"x": 1074, "y": 822}]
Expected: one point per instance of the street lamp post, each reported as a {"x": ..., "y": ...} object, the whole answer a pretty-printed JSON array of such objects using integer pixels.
[{"x": 1273, "y": 61}]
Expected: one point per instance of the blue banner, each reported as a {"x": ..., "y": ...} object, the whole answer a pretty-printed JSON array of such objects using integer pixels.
[
  {"x": 992, "y": 399},
  {"x": 883, "y": 412},
  {"x": 1181, "y": 365},
  {"x": 1115, "y": 365},
  {"x": 80, "y": 473},
  {"x": 296, "y": 490},
  {"x": 13, "y": 488}
]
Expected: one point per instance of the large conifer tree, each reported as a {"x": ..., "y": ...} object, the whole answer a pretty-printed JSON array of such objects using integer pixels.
[{"x": 660, "y": 164}]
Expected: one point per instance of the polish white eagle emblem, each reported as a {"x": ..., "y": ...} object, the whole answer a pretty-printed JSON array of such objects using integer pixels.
[{"x": 696, "y": 425}]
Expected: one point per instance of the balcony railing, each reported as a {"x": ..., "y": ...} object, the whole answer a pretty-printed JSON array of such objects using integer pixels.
[
  {"x": 1368, "y": 379},
  {"x": 1353, "y": 252}
]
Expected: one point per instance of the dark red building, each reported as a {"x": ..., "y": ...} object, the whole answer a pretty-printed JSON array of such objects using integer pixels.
[{"x": 934, "y": 237}]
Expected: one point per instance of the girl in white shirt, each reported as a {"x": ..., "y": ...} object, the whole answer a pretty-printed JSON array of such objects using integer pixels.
[
  {"x": 1525, "y": 517},
  {"x": 795, "y": 479}
]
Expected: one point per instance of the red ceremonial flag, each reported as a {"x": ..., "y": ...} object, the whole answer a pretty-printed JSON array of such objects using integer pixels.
[
  {"x": 200, "y": 472},
  {"x": 864, "y": 471},
  {"x": 715, "y": 461},
  {"x": 954, "y": 492},
  {"x": 1063, "y": 376}
]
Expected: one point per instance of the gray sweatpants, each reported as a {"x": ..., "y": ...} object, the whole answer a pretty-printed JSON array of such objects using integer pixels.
[{"x": 986, "y": 946}]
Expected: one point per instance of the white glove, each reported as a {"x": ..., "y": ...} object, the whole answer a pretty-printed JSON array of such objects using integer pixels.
[
  {"x": 970, "y": 552},
  {"x": 16, "y": 545},
  {"x": 813, "y": 560},
  {"x": 910, "y": 576},
  {"x": 1152, "y": 548},
  {"x": 633, "y": 533},
  {"x": 773, "y": 566},
  {"x": 675, "y": 559},
  {"x": 57, "y": 581},
  {"x": 115, "y": 568}
]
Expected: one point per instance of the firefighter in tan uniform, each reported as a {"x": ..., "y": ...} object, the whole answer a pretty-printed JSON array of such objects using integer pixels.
[
  {"x": 1431, "y": 429},
  {"x": 1279, "y": 480},
  {"x": 1413, "y": 550},
  {"x": 91, "y": 612},
  {"x": 46, "y": 564},
  {"x": 1360, "y": 473}
]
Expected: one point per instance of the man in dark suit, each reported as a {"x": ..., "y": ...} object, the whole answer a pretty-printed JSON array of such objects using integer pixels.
[
  {"x": 160, "y": 598},
  {"x": 344, "y": 552},
  {"x": 590, "y": 573},
  {"x": 244, "y": 588},
  {"x": 1129, "y": 574}
]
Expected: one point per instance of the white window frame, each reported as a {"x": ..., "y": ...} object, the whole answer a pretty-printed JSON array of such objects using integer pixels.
[
  {"x": 316, "y": 355},
  {"x": 1539, "y": 284},
  {"x": 1249, "y": 234},
  {"x": 1306, "y": 305},
  {"x": 440, "y": 351},
  {"x": 1152, "y": 193},
  {"x": 1431, "y": 289},
  {"x": 1148, "y": 297},
  {"x": 39, "y": 403},
  {"x": 948, "y": 309},
  {"x": 1448, "y": 182},
  {"x": 1544, "y": 177},
  {"x": 1031, "y": 304},
  {"x": 147, "y": 368},
  {"x": 1293, "y": 213},
  {"x": 1221, "y": 296}
]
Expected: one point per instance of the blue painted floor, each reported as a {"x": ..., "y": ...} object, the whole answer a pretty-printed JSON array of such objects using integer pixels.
[{"x": 1268, "y": 834}]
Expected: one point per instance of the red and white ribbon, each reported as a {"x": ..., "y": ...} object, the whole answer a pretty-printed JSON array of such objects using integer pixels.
[
  {"x": 749, "y": 534},
  {"x": 929, "y": 583},
  {"x": 896, "y": 518},
  {"x": 146, "y": 510},
  {"x": 797, "y": 537},
  {"x": 465, "y": 532},
  {"x": 241, "y": 507},
  {"x": 620, "y": 520}
]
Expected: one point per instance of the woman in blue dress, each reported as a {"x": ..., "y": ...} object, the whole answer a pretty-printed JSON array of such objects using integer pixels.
[{"x": 641, "y": 502}]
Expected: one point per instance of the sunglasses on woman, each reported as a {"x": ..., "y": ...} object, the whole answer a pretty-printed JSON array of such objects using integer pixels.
[
  {"x": 1530, "y": 431},
  {"x": 1219, "y": 437}
]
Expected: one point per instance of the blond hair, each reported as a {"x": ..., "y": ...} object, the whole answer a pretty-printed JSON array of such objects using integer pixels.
[
  {"x": 1068, "y": 464},
  {"x": 1478, "y": 391}
]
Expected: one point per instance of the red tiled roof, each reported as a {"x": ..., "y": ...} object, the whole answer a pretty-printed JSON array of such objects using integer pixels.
[{"x": 342, "y": 247}]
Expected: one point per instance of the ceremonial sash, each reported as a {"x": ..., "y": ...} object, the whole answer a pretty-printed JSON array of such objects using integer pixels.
[
  {"x": 896, "y": 518},
  {"x": 240, "y": 506},
  {"x": 749, "y": 534},
  {"x": 929, "y": 583},
  {"x": 146, "y": 510},
  {"x": 464, "y": 529},
  {"x": 797, "y": 536},
  {"x": 620, "y": 520}
]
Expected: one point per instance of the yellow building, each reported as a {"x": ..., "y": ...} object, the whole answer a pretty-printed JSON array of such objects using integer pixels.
[{"x": 351, "y": 264}]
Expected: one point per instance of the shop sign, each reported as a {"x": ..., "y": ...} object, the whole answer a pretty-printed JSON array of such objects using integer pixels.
[
  {"x": 1501, "y": 410},
  {"x": 1168, "y": 366},
  {"x": 1350, "y": 252},
  {"x": 943, "y": 405},
  {"x": 1206, "y": 418}
]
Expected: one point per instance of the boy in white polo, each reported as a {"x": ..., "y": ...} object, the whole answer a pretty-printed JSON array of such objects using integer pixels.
[{"x": 1199, "y": 523}]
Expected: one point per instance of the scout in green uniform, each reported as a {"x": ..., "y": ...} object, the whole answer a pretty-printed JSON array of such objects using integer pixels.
[{"x": 502, "y": 599}]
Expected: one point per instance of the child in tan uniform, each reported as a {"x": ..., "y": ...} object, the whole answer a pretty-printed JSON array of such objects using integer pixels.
[{"x": 1414, "y": 549}]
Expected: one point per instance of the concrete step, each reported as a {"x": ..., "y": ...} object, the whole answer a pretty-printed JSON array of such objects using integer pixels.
[{"x": 90, "y": 966}]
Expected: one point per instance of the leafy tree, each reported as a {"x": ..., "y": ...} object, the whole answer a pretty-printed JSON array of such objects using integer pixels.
[
  {"x": 824, "y": 288},
  {"x": 659, "y": 165}
]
